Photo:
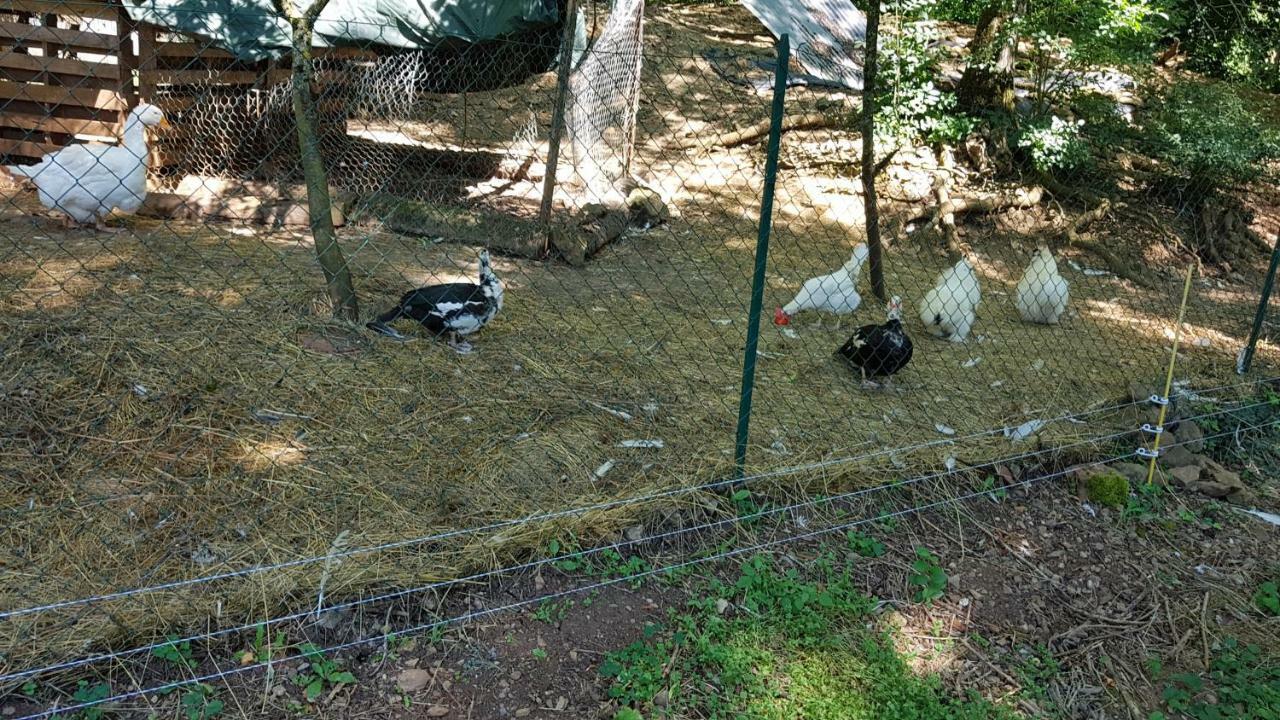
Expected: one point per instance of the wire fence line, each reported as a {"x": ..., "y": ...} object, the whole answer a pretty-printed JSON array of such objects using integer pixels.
[
  {"x": 736, "y": 551},
  {"x": 180, "y": 408},
  {"x": 1099, "y": 443}
]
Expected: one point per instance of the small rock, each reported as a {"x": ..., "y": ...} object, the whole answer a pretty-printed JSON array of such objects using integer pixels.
[
  {"x": 647, "y": 208},
  {"x": 516, "y": 675},
  {"x": 1133, "y": 472},
  {"x": 413, "y": 680},
  {"x": 522, "y": 712},
  {"x": 1191, "y": 436},
  {"x": 437, "y": 711},
  {"x": 1185, "y": 476},
  {"x": 721, "y": 606},
  {"x": 1140, "y": 391},
  {"x": 562, "y": 702},
  {"x": 662, "y": 698},
  {"x": 1178, "y": 456},
  {"x": 634, "y": 533}
]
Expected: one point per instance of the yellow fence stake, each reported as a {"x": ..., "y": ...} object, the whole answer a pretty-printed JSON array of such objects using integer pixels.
[{"x": 1168, "y": 378}]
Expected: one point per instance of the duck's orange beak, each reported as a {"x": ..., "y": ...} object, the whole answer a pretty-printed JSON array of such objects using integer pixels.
[{"x": 164, "y": 124}]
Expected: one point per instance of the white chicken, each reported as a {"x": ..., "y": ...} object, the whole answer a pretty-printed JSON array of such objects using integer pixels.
[
  {"x": 88, "y": 181},
  {"x": 834, "y": 293},
  {"x": 948, "y": 310},
  {"x": 1042, "y": 293}
]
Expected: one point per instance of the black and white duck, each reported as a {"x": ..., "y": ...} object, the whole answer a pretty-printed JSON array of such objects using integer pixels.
[
  {"x": 455, "y": 310},
  {"x": 879, "y": 350}
]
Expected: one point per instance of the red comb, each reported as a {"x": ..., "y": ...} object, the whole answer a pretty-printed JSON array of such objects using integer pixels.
[{"x": 781, "y": 318}]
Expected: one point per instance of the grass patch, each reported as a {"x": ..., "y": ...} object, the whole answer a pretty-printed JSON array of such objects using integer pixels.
[{"x": 791, "y": 647}]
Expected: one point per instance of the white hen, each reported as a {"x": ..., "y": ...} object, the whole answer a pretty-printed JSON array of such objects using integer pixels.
[
  {"x": 88, "y": 181},
  {"x": 834, "y": 293},
  {"x": 1042, "y": 293},
  {"x": 948, "y": 309}
]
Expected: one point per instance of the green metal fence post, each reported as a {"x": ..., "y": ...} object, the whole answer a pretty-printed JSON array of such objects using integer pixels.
[
  {"x": 762, "y": 254},
  {"x": 1247, "y": 359}
]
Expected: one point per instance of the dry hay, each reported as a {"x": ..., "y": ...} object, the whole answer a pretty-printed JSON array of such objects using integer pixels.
[{"x": 178, "y": 404}]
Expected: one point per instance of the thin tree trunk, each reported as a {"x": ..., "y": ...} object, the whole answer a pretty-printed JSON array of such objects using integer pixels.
[
  {"x": 987, "y": 83},
  {"x": 871, "y": 203},
  {"x": 337, "y": 276}
]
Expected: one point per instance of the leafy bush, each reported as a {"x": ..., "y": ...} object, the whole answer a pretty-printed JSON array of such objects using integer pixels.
[
  {"x": 1234, "y": 40},
  {"x": 1054, "y": 144},
  {"x": 1209, "y": 137},
  {"x": 911, "y": 106}
]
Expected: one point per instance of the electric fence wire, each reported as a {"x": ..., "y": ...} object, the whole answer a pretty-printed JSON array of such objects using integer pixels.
[
  {"x": 570, "y": 512},
  {"x": 123, "y": 654},
  {"x": 733, "y": 552}
]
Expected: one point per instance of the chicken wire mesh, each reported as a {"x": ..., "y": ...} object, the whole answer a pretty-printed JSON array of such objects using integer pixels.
[{"x": 180, "y": 404}]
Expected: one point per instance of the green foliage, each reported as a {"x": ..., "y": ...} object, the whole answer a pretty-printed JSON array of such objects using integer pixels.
[
  {"x": 199, "y": 703},
  {"x": 91, "y": 693},
  {"x": 1209, "y": 137},
  {"x": 265, "y": 646},
  {"x": 1145, "y": 504},
  {"x": 175, "y": 653},
  {"x": 323, "y": 673},
  {"x": 1244, "y": 684},
  {"x": 799, "y": 648},
  {"x": 1234, "y": 40},
  {"x": 627, "y": 714},
  {"x": 911, "y": 107},
  {"x": 1054, "y": 144},
  {"x": 864, "y": 545},
  {"x": 552, "y": 612},
  {"x": 1267, "y": 598},
  {"x": 927, "y": 576},
  {"x": 538, "y": 653},
  {"x": 1108, "y": 489}
]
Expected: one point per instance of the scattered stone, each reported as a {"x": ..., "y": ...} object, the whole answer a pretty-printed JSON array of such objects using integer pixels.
[
  {"x": 721, "y": 606},
  {"x": 516, "y": 675},
  {"x": 1185, "y": 476},
  {"x": 1218, "y": 482},
  {"x": 562, "y": 702},
  {"x": 522, "y": 712},
  {"x": 634, "y": 533},
  {"x": 662, "y": 698},
  {"x": 1191, "y": 437},
  {"x": 413, "y": 680},
  {"x": 437, "y": 711},
  {"x": 1177, "y": 456},
  {"x": 1135, "y": 473}
]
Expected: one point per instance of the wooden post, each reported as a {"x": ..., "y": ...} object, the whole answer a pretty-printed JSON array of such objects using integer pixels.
[
  {"x": 557, "y": 116},
  {"x": 127, "y": 60},
  {"x": 629, "y": 150},
  {"x": 871, "y": 204}
]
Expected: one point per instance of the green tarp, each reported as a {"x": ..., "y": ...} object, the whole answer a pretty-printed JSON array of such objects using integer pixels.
[{"x": 253, "y": 30}]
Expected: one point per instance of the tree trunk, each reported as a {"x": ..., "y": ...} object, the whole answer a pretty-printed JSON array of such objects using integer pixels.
[
  {"x": 337, "y": 276},
  {"x": 871, "y": 203},
  {"x": 987, "y": 83}
]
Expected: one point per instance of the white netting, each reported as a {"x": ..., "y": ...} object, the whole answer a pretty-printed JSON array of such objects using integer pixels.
[
  {"x": 389, "y": 124},
  {"x": 604, "y": 95}
]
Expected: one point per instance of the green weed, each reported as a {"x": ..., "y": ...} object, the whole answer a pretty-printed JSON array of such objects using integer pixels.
[
  {"x": 864, "y": 545},
  {"x": 91, "y": 693},
  {"x": 323, "y": 673},
  {"x": 175, "y": 653},
  {"x": 1267, "y": 598},
  {"x": 199, "y": 703},
  {"x": 1241, "y": 683},
  {"x": 927, "y": 576}
]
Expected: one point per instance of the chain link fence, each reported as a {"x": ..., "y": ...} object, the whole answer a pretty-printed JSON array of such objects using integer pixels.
[{"x": 191, "y": 440}]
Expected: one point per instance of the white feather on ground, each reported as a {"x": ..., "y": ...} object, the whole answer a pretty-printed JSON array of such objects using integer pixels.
[
  {"x": 1042, "y": 293},
  {"x": 948, "y": 309}
]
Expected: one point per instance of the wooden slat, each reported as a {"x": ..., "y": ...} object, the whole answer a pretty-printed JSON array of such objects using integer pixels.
[
  {"x": 47, "y": 123},
  {"x": 191, "y": 50},
  {"x": 23, "y": 148},
  {"x": 75, "y": 8},
  {"x": 59, "y": 66},
  {"x": 188, "y": 77},
  {"x": 55, "y": 95},
  {"x": 25, "y": 34},
  {"x": 125, "y": 56}
]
